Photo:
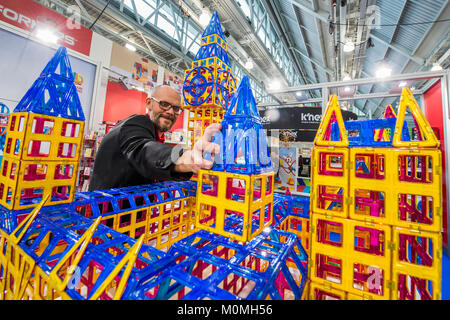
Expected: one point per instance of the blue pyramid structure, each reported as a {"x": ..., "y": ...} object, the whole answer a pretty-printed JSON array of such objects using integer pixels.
[
  {"x": 210, "y": 49},
  {"x": 244, "y": 148},
  {"x": 54, "y": 92},
  {"x": 214, "y": 27}
]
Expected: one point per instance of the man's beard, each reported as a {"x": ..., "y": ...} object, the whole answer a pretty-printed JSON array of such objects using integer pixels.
[{"x": 156, "y": 118}]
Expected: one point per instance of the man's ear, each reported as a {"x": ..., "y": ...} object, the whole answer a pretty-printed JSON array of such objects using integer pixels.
[{"x": 148, "y": 100}]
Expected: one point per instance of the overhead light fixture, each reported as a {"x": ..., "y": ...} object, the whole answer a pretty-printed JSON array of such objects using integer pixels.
[
  {"x": 298, "y": 93},
  {"x": 47, "y": 35},
  {"x": 346, "y": 77},
  {"x": 273, "y": 115},
  {"x": 331, "y": 27},
  {"x": 130, "y": 47},
  {"x": 402, "y": 84},
  {"x": 383, "y": 71},
  {"x": 349, "y": 46},
  {"x": 249, "y": 64},
  {"x": 436, "y": 67},
  {"x": 348, "y": 89},
  {"x": 204, "y": 18},
  {"x": 275, "y": 85},
  {"x": 124, "y": 83}
]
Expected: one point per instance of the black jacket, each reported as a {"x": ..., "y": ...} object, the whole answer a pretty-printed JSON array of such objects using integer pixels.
[{"x": 130, "y": 155}]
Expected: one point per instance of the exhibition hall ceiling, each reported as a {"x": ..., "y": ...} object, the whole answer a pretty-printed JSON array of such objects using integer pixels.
[{"x": 283, "y": 43}]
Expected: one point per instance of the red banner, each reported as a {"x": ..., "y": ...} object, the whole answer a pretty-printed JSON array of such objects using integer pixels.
[{"x": 31, "y": 16}]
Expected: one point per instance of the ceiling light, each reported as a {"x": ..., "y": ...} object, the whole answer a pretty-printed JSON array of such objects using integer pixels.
[
  {"x": 402, "y": 84},
  {"x": 383, "y": 71},
  {"x": 436, "y": 67},
  {"x": 275, "y": 85},
  {"x": 299, "y": 94},
  {"x": 47, "y": 35},
  {"x": 348, "y": 89},
  {"x": 249, "y": 64},
  {"x": 349, "y": 46},
  {"x": 346, "y": 77},
  {"x": 130, "y": 47},
  {"x": 204, "y": 18},
  {"x": 138, "y": 88},
  {"x": 273, "y": 115}
]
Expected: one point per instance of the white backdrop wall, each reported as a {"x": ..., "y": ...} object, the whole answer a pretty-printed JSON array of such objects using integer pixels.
[{"x": 23, "y": 57}]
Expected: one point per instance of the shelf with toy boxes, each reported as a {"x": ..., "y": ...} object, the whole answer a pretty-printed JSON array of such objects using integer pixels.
[{"x": 91, "y": 142}]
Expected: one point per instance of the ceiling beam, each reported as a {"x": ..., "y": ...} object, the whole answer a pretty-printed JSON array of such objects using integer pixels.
[
  {"x": 134, "y": 24},
  {"x": 397, "y": 48},
  {"x": 376, "y": 95},
  {"x": 113, "y": 34},
  {"x": 279, "y": 24},
  {"x": 321, "y": 41},
  {"x": 364, "y": 81},
  {"x": 426, "y": 61},
  {"x": 389, "y": 44},
  {"x": 319, "y": 14},
  {"x": 315, "y": 8},
  {"x": 317, "y": 63}
]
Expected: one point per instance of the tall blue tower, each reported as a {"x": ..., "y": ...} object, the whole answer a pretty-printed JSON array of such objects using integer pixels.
[
  {"x": 235, "y": 197},
  {"x": 209, "y": 84}
]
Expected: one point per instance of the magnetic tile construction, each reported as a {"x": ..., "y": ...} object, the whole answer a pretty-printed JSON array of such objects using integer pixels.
[{"x": 373, "y": 231}]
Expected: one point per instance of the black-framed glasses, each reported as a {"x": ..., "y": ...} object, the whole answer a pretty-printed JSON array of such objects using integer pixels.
[{"x": 166, "y": 106}]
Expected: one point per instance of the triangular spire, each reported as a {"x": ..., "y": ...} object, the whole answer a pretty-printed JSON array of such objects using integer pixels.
[
  {"x": 213, "y": 42},
  {"x": 332, "y": 114},
  {"x": 389, "y": 112},
  {"x": 244, "y": 146},
  {"x": 243, "y": 102},
  {"x": 54, "y": 92},
  {"x": 425, "y": 132},
  {"x": 59, "y": 66},
  {"x": 214, "y": 27}
]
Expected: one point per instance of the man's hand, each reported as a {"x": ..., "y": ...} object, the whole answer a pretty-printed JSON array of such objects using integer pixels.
[{"x": 193, "y": 160}]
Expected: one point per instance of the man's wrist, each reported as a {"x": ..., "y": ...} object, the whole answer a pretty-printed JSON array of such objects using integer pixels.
[
  {"x": 181, "y": 165},
  {"x": 178, "y": 168}
]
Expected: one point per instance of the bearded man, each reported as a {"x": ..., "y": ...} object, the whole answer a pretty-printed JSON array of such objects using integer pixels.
[{"x": 134, "y": 152}]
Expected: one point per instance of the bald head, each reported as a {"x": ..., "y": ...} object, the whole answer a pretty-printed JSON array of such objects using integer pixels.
[
  {"x": 163, "y": 119},
  {"x": 166, "y": 93}
]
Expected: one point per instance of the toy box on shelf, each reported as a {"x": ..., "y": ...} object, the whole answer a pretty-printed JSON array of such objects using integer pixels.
[
  {"x": 4, "y": 119},
  {"x": 91, "y": 143},
  {"x": 376, "y": 207}
]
